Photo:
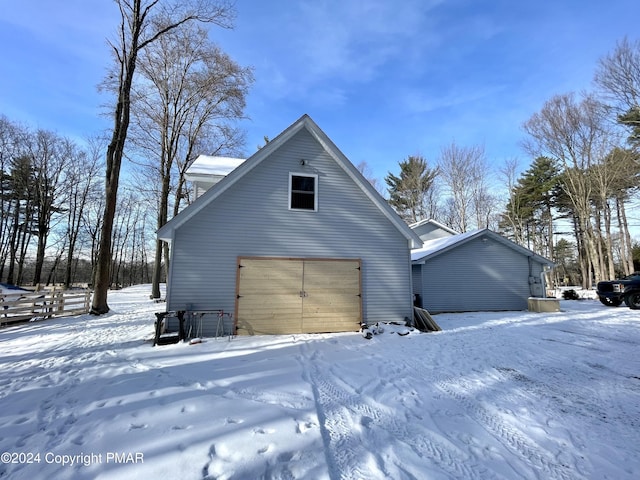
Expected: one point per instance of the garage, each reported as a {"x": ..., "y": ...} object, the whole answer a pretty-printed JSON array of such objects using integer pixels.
[
  {"x": 299, "y": 259},
  {"x": 297, "y": 295}
]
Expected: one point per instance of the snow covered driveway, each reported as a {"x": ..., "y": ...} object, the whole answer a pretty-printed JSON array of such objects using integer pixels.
[{"x": 510, "y": 395}]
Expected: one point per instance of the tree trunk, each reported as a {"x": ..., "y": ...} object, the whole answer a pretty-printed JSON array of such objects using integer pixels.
[
  {"x": 115, "y": 152},
  {"x": 625, "y": 236},
  {"x": 52, "y": 271},
  {"x": 609, "y": 271},
  {"x": 42, "y": 243},
  {"x": 23, "y": 247},
  {"x": 99, "y": 304},
  {"x": 162, "y": 220},
  {"x": 137, "y": 30},
  {"x": 166, "y": 261},
  {"x": 592, "y": 256},
  {"x": 157, "y": 270},
  {"x": 13, "y": 244}
]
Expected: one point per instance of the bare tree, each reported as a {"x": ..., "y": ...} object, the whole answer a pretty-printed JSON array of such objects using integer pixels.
[
  {"x": 91, "y": 226},
  {"x": 143, "y": 22},
  {"x": 130, "y": 247},
  {"x": 80, "y": 183},
  {"x": 574, "y": 133},
  {"x": 190, "y": 91},
  {"x": 512, "y": 221},
  {"x": 618, "y": 77},
  {"x": 50, "y": 156},
  {"x": 626, "y": 164},
  {"x": 10, "y": 134},
  {"x": 464, "y": 173},
  {"x": 20, "y": 208},
  {"x": 366, "y": 171}
]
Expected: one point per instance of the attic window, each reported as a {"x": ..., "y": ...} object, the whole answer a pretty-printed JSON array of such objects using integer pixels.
[{"x": 303, "y": 192}]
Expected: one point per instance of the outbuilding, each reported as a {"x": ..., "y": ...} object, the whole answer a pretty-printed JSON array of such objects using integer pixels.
[
  {"x": 292, "y": 240},
  {"x": 474, "y": 271}
]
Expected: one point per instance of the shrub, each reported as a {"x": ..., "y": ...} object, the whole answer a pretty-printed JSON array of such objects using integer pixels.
[{"x": 570, "y": 295}]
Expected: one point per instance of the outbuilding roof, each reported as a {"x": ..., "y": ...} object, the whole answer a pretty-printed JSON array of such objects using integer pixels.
[{"x": 438, "y": 246}]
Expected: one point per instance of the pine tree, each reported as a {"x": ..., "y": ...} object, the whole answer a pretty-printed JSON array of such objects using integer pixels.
[
  {"x": 631, "y": 120},
  {"x": 529, "y": 211},
  {"x": 409, "y": 192}
]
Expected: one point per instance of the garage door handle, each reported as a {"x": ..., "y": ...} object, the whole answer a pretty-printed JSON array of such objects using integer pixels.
[{"x": 303, "y": 294}]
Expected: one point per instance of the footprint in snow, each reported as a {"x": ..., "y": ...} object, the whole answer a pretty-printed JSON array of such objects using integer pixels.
[
  {"x": 302, "y": 427},
  {"x": 181, "y": 427},
  {"x": 366, "y": 421},
  {"x": 22, "y": 441},
  {"x": 286, "y": 457}
]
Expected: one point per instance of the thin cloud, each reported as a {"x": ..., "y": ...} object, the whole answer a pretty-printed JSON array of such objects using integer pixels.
[{"x": 383, "y": 78}]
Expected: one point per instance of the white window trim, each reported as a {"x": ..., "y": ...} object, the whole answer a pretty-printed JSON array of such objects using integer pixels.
[{"x": 315, "y": 193}]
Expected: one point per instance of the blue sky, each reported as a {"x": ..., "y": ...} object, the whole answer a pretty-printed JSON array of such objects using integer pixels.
[{"x": 383, "y": 78}]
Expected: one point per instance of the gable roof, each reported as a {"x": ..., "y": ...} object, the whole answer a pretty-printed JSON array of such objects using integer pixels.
[
  {"x": 438, "y": 246},
  {"x": 435, "y": 224},
  {"x": 166, "y": 232}
]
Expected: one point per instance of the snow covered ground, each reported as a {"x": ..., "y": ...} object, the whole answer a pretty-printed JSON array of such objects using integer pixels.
[{"x": 510, "y": 395}]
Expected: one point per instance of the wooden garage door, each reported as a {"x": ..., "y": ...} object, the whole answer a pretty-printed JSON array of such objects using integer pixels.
[{"x": 278, "y": 296}]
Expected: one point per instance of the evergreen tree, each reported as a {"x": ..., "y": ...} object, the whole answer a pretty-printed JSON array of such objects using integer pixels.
[
  {"x": 631, "y": 120},
  {"x": 529, "y": 213},
  {"x": 409, "y": 192},
  {"x": 635, "y": 249},
  {"x": 566, "y": 271}
]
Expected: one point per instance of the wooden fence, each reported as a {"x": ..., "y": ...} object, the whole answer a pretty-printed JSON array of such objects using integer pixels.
[{"x": 26, "y": 306}]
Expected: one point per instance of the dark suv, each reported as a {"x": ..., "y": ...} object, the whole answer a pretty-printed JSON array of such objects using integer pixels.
[{"x": 613, "y": 292}]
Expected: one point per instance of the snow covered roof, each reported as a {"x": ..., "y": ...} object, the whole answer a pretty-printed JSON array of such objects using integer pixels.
[
  {"x": 438, "y": 245},
  {"x": 209, "y": 165},
  {"x": 431, "y": 248}
]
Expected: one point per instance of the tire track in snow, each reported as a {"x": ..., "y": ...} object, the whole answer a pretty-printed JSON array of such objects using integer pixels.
[
  {"x": 457, "y": 388},
  {"x": 342, "y": 450},
  {"x": 595, "y": 405},
  {"x": 456, "y": 463},
  {"x": 350, "y": 452},
  {"x": 507, "y": 435}
]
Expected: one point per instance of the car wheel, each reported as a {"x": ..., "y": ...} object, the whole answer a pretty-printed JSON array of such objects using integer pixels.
[
  {"x": 610, "y": 302},
  {"x": 632, "y": 300}
]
